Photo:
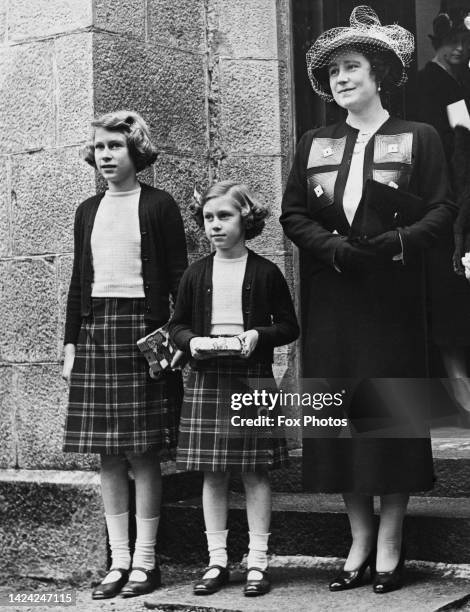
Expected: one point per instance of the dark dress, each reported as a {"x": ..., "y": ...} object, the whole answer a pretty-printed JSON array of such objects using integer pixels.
[
  {"x": 449, "y": 293},
  {"x": 373, "y": 324}
]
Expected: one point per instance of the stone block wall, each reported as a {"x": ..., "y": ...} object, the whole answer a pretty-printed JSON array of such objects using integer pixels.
[
  {"x": 212, "y": 79},
  {"x": 46, "y": 101},
  {"x": 250, "y": 118}
]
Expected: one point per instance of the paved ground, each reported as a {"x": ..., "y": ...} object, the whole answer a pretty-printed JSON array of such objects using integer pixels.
[{"x": 299, "y": 584}]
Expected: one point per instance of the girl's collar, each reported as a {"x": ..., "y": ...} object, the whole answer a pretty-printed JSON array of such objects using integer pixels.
[
  {"x": 250, "y": 253},
  {"x": 123, "y": 194}
]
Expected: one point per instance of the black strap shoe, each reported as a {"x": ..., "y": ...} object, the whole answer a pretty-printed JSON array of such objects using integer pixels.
[
  {"x": 352, "y": 580},
  {"x": 111, "y": 589},
  {"x": 135, "y": 587},
  {"x": 259, "y": 586},
  {"x": 207, "y": 586}
]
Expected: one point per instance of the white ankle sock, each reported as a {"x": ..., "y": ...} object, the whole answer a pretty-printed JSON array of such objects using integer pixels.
[
  {"x": 217, "y": 545},
  {"x": 258, "y": 548},
  {"x": 118, "y": 534},
  {"x": 144, "y": 553}
]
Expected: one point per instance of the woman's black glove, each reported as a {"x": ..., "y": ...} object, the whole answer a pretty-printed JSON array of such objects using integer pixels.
[
  {"x": 386, "y": 245},
  {"x": 462, "y": 232},
  {"x": 354, "y": 259},
  {"x": 462, "y": 246}
]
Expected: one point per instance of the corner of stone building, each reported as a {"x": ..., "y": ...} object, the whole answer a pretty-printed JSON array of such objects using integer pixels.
[
  {"x": 251, "y": 115},
  {"x": 212, "y": 81}
]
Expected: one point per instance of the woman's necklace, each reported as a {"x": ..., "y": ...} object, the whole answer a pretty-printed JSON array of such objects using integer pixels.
[
  {"x": 361, "y": 142},
  {"x": 364, "y": 137}
]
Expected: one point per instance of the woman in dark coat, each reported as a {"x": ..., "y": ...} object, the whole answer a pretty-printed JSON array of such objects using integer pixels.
[
  {"x": 443, "y": 81},
  {"x": 364, "y": 315}
]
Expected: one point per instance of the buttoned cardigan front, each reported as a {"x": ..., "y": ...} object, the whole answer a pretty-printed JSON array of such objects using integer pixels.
[
  {"x": 266, "y": 304},
  {"x": 163, "y": 254}
]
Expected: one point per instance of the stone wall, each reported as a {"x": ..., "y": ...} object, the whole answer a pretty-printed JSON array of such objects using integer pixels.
[{"x": 212, "y": 79}]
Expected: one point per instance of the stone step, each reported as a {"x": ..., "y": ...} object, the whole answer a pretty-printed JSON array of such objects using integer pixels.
[
  {"x": 437, "y": 528},
  {"x": 300, "y": 583},
  {"x": 451, "y": 464},
  {"x": 52, "y": 522}
]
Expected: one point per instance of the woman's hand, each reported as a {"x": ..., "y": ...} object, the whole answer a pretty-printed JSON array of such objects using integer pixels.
[
  {"x": 354, "y": 259},
  {"x": 249, "y": 340},
  {"x": 69, "y": 358},
  {"x": 462, "y": 248},
  {"x": 387, "y": 244},
  {"x": 457, "y": 256}
]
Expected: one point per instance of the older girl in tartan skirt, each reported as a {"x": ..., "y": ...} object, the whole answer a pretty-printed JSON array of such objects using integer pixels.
[
  {"x": 233, "y": 292},
  {"x": 130, "y": 253}
]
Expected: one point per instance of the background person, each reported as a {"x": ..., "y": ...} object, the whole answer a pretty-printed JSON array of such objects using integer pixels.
[{"x": 444, "y": 81}]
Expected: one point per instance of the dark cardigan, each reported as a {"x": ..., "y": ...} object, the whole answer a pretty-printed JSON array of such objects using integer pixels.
[
  {"x": 266, "y": 303},
  {"x": 316, "y": 223},
  {"x": 163, "y": 252}
]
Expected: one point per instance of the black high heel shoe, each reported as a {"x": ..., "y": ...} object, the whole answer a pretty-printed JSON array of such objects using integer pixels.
[
  {"x": 352, "y": 580},
  {"x": 384, "y": 582}
]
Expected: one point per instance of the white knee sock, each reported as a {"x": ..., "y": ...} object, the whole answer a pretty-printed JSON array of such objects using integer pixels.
[
  {"x": 217, "y": 545},
  {"x": 144, "y": 553},
  {"x": 118, "y": 534},
  {"x": 258, "y": 548}
]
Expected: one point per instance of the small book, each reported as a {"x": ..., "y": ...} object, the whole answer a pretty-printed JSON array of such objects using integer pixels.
[
  {"x": 221, "y": 346},
  {"x": 157, "y": 349},
  {"x": 383, "y": 208}
]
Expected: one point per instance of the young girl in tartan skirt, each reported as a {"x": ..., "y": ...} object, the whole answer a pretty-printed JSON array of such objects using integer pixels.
[
  {"x": 129, "y": 255},
  {"x": 232, "y": 292}
]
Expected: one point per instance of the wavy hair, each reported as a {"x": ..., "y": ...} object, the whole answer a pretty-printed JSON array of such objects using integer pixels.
[
  {"x": 253, "y": 212},
  {"x": 141, "y": 149}
]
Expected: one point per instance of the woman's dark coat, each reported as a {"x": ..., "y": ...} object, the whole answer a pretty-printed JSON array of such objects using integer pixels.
[{"x": 369, "y": 325}]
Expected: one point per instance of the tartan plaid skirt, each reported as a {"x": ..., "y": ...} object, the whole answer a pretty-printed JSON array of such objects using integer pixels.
[
  {"x": 114, "y": 405},
  {"x": 207, "y": 441}
]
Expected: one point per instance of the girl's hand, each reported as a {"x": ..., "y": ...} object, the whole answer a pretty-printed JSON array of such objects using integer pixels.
[
  {"x": 194, "y": 350},
  {"x": 249, "y": 340},
  {"x": 177, "y": 357},
  {"x": 156, "y": 376},
  {"x": 69, "y": 358}
]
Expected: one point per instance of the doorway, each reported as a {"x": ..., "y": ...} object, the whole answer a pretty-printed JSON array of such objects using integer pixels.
[{"x": 310, "y": 18}]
